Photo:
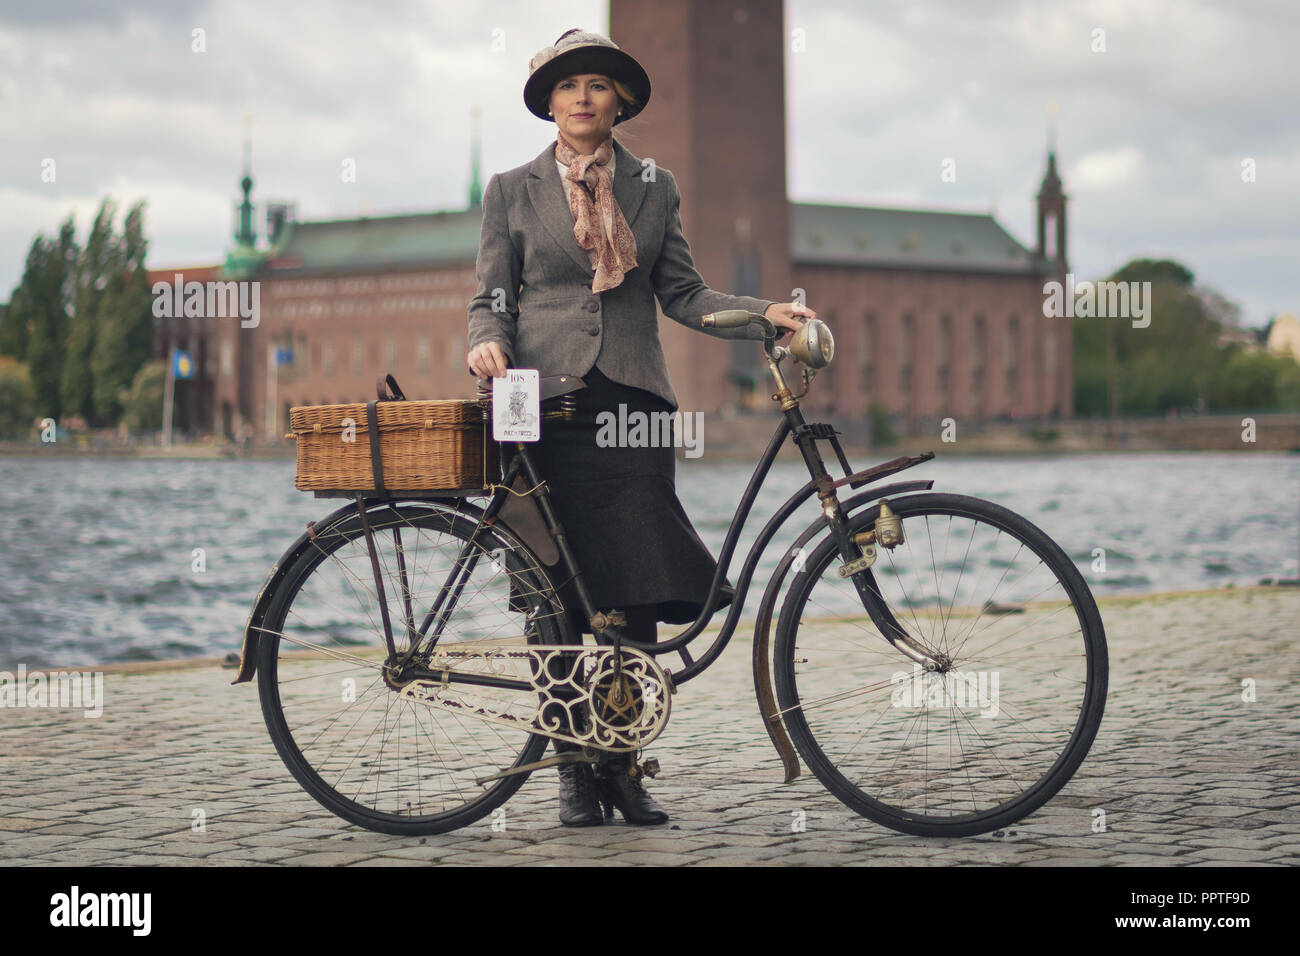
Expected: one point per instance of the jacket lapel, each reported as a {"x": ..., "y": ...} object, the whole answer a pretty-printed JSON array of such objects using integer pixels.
[{"x": 546, "y": 193}]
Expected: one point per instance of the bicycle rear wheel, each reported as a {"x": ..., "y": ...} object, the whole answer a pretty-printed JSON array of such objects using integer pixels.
[
  {"x": 366, "y": 753},
  {"x": 995, "y": 732}
]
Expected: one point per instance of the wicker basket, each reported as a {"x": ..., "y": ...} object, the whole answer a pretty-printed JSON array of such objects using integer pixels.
[{"x": 424, "y": 446}]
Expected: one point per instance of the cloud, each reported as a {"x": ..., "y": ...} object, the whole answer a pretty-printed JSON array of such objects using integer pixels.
[
  {"x": 1150, "y": 133},
  {"x": 1108, "y": 169}
]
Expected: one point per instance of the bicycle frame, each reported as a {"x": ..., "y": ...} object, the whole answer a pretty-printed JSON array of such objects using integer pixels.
[
  {"x": 805, "y": 436},
  {"x": 820, "y": 484}
]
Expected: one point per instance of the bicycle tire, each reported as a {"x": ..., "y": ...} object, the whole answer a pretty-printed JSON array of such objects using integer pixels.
[
  {"x": 304, "y": 700},
  {"x": 1058, "y": 682}
]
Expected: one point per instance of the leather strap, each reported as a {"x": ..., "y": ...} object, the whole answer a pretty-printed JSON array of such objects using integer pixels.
[
  {"x": 376, "y": 459},
  {"x": 555, "y": 385},
  {"x": 388, "y": 389}
]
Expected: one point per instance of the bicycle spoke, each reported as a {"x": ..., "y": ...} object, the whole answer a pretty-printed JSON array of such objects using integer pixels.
[
  {"x": 386, "y": 761},
  {"x": 979, "y": 739}
]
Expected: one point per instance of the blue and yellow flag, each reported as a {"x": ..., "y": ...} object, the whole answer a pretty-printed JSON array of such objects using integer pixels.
[{"x": 182, "y": 364}]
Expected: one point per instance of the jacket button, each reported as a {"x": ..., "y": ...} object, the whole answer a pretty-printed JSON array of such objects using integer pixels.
[
  {"x": 594, "y": 330},
  {"x": 592, "y": 305}
]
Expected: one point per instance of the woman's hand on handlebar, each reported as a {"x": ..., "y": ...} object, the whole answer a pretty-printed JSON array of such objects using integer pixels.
[
  {"x": 488, "y": 359},
  {"x": 788, "y": 315}
]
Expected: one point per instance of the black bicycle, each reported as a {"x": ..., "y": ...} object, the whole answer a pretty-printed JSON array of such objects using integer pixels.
[{"x": 936, "y": 660}]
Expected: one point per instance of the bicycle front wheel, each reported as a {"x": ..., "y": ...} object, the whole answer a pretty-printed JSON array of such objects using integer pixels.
[
  {"x": 1004, "y": 721},
  {"x": 368, "y": 754}
]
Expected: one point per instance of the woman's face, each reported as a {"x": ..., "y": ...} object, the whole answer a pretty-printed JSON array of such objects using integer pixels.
[{"x": 584, "y": 107}]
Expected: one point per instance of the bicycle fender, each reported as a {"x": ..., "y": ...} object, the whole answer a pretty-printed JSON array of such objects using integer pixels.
[
  {"x": 764, "y": 685},
  {"x": 252, "y": 630}
]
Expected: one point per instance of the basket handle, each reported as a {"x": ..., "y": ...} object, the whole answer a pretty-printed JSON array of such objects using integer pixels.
[{"x": 388, "y": 389}]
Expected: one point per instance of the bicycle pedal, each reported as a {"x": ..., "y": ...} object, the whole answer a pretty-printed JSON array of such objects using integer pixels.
[
  {"x": 586, "y": 755},
  {"x": 649, "y": 768}
]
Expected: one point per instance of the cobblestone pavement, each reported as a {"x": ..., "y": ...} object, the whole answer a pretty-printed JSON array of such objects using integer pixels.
[{"x": 1185, "y": 770}]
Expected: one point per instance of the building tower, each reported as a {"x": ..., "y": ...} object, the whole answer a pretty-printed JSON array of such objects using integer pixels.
[
  {"x": 1057, "y": 360},
  {"x": 1051, "y": 218},
  {"x": 716, "y": 119},
  {"x": 475, "y": 186}
]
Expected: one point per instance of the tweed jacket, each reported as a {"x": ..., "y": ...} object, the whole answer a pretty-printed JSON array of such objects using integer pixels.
[{"x": 534, "y": 293}]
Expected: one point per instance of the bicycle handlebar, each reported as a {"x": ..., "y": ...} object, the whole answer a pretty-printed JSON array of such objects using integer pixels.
[
  {"x": 811, "y": 345},
  {"x": 728, "y": 319}
]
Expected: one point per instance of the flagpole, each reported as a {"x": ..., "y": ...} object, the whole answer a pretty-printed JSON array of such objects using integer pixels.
[
  {"x": 272, "y": 374},
  {"x": 169, "y": 400}
]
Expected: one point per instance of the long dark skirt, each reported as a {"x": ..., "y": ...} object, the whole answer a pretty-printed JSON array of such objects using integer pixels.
[{"x": 619, "y": 509}]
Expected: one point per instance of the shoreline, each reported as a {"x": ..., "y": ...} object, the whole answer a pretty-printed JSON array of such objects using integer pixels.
[
  {"x": 724, "y": 455},
  {"x": 745, "y": 435},
  {"x": 743, "y": 632}
]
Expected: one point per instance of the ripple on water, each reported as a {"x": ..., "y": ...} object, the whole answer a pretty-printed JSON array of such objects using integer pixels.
[{"x": 127, "y": 592}]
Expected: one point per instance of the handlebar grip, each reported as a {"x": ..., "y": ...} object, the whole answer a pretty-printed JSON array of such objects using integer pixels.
[{"x": 727, "y": 319}]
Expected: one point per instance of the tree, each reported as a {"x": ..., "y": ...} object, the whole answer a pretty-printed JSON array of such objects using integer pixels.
[
  {"x": 142, "y": 402},
  {"x": 35, "y": 325},
  {"x": 13, "y": 326},
  {"x": 124, "y": 322},
  {"x": 1255, "y": 380},
  {"x": 1156, "y": 270},
  {"x": 1175, "y": 361},
  {"x": 81, "y": 317},
  {"x": 95, "y": 268},
  {"x": 17, "y": 404}
]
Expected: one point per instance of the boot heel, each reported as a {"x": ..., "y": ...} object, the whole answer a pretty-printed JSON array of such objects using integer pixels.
[{"x": 609, "y": 809}]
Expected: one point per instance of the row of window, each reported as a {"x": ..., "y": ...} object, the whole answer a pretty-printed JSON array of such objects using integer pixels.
[
  {"x": 366, "y": 355},
  {"x": 941, "y": 358},
  {"x": 979, "y": 338},
  {"x": 361, "y": 356},
  {"x": 283, "y": 288}
]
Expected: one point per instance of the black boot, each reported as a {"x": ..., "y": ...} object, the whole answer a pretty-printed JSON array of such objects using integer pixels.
[
  {"x": 579, "y": 801},
  {"x": 619, "y": 784}
]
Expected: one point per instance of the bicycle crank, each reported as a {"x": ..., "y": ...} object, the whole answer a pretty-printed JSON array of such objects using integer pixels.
[
  {"x": 649, "y": 768},
  {"x": 580, "y": 695}
]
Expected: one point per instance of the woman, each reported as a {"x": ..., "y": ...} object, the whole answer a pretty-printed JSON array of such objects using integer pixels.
[{"x": 576, "y": 246}]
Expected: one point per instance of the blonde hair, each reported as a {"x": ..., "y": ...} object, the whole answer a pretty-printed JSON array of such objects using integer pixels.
[
  {"x": 626, "y": 99},
  {"x": 625, "y": 95}
]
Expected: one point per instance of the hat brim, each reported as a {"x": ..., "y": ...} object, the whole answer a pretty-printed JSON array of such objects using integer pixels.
[{"x": 611, "y": 62}]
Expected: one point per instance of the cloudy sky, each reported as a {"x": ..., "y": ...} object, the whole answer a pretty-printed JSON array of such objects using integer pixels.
[{"x": 1156, "y": 104}]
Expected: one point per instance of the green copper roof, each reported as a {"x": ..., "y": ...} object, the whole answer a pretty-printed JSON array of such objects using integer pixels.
[
  {"x": 819, "y": 235},
  {"x": 242, "y": 261},
  {"x": 904, "y": 238},
  {"x": 422, "y": 239}
]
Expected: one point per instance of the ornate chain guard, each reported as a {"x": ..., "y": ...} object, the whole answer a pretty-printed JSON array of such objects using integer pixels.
[{"x": 580, "y": 696}]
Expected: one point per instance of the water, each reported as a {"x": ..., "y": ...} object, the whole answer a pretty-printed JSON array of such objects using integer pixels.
[{"x": 106, "y": 561}]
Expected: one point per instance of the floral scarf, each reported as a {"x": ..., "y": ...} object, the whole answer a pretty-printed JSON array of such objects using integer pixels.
[{"x": 598, "y": 222}]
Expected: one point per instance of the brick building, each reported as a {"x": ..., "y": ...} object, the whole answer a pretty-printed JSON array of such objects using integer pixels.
[{"x": 935, "y": 314}]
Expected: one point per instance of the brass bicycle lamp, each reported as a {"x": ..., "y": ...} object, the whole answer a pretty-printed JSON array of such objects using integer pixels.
[{"x": 812, "y": 344}]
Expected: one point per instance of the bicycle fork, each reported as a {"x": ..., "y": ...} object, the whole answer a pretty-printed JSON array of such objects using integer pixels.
[
  {"x": 887, "y": 533},
  {"x": 858, "y": 551}
]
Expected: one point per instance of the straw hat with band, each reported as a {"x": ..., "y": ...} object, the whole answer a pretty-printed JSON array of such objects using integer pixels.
[{"x": 581, "y": 51}]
